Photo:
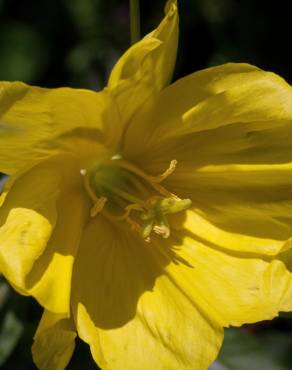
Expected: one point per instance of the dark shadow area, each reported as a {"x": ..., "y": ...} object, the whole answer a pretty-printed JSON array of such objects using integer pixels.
[
  {"x": 20, "y": 315},
  {"x": 114, "y": 267},
  {"x": 82, "y": 358}
]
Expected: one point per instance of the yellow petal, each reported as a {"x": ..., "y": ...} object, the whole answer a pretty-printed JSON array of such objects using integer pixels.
[
  {"x": 54, "y": 342},
  {"x": 241, "y": 288},
  {"x": 232, "y": 140},
  {"x": 32, "y": 118},
  {"x": 50, "y": 279},
  {"x": 131, "y": 313},
  {"x": 27, "y": 219},
  {"x": 42, "y": 218},
  {"x": 185, "y": 116},
  {"x": 238, "y": 239},
  {"x": 23, "y": 238},
  {"x": 147, "y": 66},
  {"x": 240, "y": 207}
]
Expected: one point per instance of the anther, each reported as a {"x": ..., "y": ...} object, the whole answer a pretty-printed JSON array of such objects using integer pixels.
[
  {"x": 123, "y": 192},
  {"x": 166, "y": 173},
  {"x": 98, "y": 206},
  {"x": 162, "y": 230},
  {"x": 153, "y": 181}
]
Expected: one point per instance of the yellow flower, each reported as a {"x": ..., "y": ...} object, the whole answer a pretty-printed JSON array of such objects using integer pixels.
[{"x": 146, "y": 218}]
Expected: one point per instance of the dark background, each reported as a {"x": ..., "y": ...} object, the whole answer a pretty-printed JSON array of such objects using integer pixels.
[{"x": 75, "y": 43}]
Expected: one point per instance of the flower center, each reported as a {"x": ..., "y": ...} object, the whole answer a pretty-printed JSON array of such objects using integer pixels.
[{"x": 123, "y": 192}]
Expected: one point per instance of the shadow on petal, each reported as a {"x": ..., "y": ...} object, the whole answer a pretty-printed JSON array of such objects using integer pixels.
[{"x": 114, "y": 267}]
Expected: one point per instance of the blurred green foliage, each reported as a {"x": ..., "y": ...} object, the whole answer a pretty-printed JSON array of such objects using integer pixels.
[
  {"x": 243, "y": 350},
  {"x": 75, "y": 43}
]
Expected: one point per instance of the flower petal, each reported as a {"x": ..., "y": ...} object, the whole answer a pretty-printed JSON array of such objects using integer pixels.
[
  {"x": 241, "y": 288},
  {"x": 245, "y": 239},
  {"x": 37, "y": 253},
  {"x": 230, "y": 129},
  {"x": 54, "y": 342},
  {"x": 131, "y": 313},
  {"x": 50, "y": 279},
  {"x": 22, "y": 240},
  {"x": 147, "y": 66},
  {"x": 32, "y": 118},
  {"x": 27, "y": 221},
  {"x": 185, "y": 113},
  {"x": 240, "y": 207}
]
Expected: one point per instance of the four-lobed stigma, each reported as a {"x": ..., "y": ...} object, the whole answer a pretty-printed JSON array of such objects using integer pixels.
[{"x": 123, "y": 192}]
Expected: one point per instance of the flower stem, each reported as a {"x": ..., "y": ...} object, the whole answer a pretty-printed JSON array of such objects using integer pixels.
[{"x": 135, "y": 21}]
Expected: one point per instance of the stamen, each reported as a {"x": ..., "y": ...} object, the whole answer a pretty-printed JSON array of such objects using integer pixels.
[
  {"x": 125, "y": 195},
  {"x": 127, "y": 188},
  {"x": 99, "y": 203},
  {"x": 162, "y": 190},
  {"x": 98, "y": 206},
  {"x": 147, "y": 228},
  {"x": 154, "y": 216},
  {"x": 134, "y": 225},
  {"x": 140, "y": 187},
  {"x": 162, "y": 230},
  {"x": 162, "y": 225},
  {"x": 166, "y": 173},
  {"x": 152, "y": 180},
  {"x": 87, "y": 186},
  {"x": 124, "y": 216},
  {"x": 149, "y": 178}
]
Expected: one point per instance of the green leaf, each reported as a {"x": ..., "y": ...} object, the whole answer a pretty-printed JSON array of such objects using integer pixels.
[{"x": 243, "y": 351}]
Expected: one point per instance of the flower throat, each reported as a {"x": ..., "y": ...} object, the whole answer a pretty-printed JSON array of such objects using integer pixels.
[{"x": 123, "y": 192}]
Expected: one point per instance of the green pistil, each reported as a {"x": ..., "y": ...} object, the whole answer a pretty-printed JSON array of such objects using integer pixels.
[
  {"x": 155, "y": 217},
  {"x": 125, "y": 193},
  {"x": 112, "y": 182},
  {"x": 173, "y": 205}
]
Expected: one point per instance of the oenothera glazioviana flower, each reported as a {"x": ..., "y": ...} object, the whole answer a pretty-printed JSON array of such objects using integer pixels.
[{"x": 147, "y": 217}]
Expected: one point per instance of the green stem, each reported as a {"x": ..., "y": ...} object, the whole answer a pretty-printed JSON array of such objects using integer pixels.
[{"x": 135, "y": 21}]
